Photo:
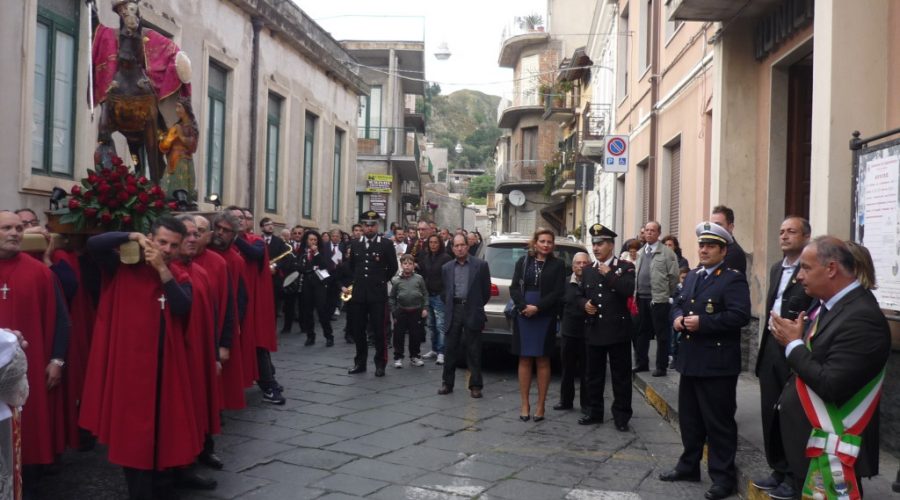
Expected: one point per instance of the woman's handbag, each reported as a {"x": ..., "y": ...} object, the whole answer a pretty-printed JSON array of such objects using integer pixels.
[{"x": 510, "y": 310}]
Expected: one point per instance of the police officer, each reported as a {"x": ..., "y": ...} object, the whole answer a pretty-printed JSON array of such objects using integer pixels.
[
  {"x": 709, "y": 311},
  {"x": 373, "y": 262},
  {"x": 607, "y": 287}
]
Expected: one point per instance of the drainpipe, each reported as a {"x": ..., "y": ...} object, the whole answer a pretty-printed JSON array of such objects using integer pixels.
[
  {"x": 654, "y": 98},
  {"x": 257, "y": 23}
]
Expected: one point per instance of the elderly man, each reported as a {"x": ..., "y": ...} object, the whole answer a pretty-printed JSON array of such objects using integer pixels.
[
  {"x": 657, "y": 278},
  {"x": 837, "y": 365},
  {"x": 709, "y": 311},
  {"x": 572, "y": 349}
]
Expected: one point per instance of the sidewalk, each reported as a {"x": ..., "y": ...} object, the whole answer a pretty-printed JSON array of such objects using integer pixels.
[{"x": 662, "y": 394}]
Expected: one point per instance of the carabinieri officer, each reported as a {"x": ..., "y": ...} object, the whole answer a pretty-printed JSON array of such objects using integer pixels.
[
  {"x": 373, "y": 262},
  {"x": 709, "y": 311}
]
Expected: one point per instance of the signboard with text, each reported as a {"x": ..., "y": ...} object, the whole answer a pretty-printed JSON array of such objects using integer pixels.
[
  {"x": 379, "y": 183},
  {"x": 615, "y": 154},
  {"x": 378, "y": 202}
]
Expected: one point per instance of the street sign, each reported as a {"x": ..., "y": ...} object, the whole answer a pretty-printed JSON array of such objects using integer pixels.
[{"x": 615, "y": 154}]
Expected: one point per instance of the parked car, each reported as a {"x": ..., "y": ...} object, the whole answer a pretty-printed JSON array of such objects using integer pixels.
[{"x": 501, "y": 253}]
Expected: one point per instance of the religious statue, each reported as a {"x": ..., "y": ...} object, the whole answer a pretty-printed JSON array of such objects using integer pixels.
[
  {"x": 133, "y": 69},
  {"x": 179, "y": 146}
]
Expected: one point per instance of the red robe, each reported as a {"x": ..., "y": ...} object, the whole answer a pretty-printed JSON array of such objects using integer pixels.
[
  {"x": 30, "y": 307},
  {"x": 81, "y": 315},
  {"x": 201, "y": 349},
  {"x": 233, "y": 380},
  {"x": 120, "y": 395},
  {"x": 217, "y": 270},
  {"x": 261, "y": 309}
]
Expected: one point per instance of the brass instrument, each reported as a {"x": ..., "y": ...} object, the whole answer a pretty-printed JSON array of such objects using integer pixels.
[
  {"x": 273, "y": 262},
  {"x": 345, "y": 297}
]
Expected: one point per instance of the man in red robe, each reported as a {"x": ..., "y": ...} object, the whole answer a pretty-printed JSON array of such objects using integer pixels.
[
  {"x": 258, "y": 324},
  {"x": 137, "y": 398},
  {"x": 31, "y": 302}
]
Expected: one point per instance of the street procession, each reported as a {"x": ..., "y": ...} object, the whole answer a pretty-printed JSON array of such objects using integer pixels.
[{"x": 298, "y": 249}]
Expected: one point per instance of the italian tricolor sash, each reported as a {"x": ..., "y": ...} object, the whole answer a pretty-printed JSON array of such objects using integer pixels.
[{"x": 835, "y": 440}]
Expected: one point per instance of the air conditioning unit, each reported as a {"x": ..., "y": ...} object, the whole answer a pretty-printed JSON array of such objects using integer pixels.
[{"x": 593, "y": 149}]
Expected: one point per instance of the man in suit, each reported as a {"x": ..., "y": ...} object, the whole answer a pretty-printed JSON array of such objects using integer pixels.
[
  {"x": 709, "y": 311},
  {"x": 467, "y": 285},
  {"x": 607, "y": 286},
  {"x": 372, "y": 263},
  {"x": 736, "y": 258},
  {"x": 787, "y": 298},
  {"x": 276, "y": 246},
  {"x": 572, "y": 351},
  {"x": 834, "y": 361},
  {"x": 655, "y": 281}
]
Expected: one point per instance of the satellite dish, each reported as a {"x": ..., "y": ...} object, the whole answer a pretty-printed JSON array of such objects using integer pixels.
[{"x": 516, "y": 197}]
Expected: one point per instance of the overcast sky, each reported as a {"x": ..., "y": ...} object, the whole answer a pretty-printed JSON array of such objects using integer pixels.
[{"x": 471, "y": 28}]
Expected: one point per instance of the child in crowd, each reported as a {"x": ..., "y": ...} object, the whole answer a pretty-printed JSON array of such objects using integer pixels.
[{"x": 409, "y": 306}]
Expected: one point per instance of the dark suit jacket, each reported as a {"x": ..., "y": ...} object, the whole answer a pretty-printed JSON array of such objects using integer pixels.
[
  {"x": 794, "y": 299},
  {"x": 573, "y": 312},
  {"x": 552, "y": 285},
  {"x": 372, "y": 268},
  {"x": 736, "y": 258},
  {"x": 277, "y": 246},
  {"x": 479, "y": 294},
  {"x": 722, "y": 302},
  {"x": 851, "y": 346},
  {"x": 611, "y": 292}
]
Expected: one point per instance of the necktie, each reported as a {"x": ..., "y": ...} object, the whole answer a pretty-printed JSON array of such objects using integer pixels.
[{"x": 816, "y": 316}]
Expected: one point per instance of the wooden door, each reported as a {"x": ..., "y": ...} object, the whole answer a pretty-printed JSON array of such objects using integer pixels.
[{"x": 799, "y": 140}]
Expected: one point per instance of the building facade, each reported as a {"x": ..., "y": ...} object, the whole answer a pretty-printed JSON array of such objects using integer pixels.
[{"x": 275, "y": 103}]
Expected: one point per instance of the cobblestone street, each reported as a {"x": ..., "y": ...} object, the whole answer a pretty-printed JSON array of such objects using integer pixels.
[{"x": 342, "y": 436}]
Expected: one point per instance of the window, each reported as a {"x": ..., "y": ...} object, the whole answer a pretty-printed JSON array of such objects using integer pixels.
[
  {"x": 370, "y": 114},
  {"x": 336, "y": 176},
  {"x": 623, "y": 46},
  {"x": 273, "y": 139},
  {"x": 52, "y": 136},
  {"x": 674, "y": 156},
  {"x": 646, "y": 34},
  {"x": 215, "y": 132},
  {"x": 529, "y": 145},
  {"x": 671, "y": 25},
  {"x": 309, "y": 154}
]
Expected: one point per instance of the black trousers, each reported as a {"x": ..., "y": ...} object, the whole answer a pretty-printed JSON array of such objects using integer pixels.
[
  {"x": 408, "y": 323},
  {"x": 290, "y": 307},
  {"x": 653, "y": 321},
  {"x": 266, "y": 379},
  {"x": 706, "y": 407},
  {"x": 619, "y": 356},
  {"x": 459, "y": 340},
  {"x": 369, "y": 314},
  {"x": 313, "y": 300},
  {"x": 573, "y": 356},
  {"x": 773, "y": 375}
]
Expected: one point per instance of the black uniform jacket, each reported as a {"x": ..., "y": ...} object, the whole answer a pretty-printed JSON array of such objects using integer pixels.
[
  {"x": 610, "y": 293},
  {"x": 372, "y": 268},
  {"x": 794, "y": 300},
  {"x": 722, "y": 301},
  {"x": 851, "y": 346}
]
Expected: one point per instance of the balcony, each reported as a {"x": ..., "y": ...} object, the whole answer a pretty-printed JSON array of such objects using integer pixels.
[
  {"x": 520, "y": 174},
  {"x": 559, "y": 107},
  {"x": 517, "y": 36},
  {"x": 563, "y": 181},
  {"x": 718, "y": 10},
  {"x": 515, "y": 105},
  {"x": 399, "y": 146}
]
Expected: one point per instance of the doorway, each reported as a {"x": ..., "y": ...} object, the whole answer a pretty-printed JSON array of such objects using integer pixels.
[{"x": 799, "y": 138}]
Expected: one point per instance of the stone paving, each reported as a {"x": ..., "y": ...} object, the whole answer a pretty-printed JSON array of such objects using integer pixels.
[{"x": 342, "y": 437}]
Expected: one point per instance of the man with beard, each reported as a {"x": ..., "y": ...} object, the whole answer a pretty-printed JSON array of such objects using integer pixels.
[
  {"x": 30, "y": 302},
  {"x": 373, "y": 263},
  {"x": 147, "y": 421},
  {"x": 258, "y": 328},
  {"x": 225, "y": 227}
]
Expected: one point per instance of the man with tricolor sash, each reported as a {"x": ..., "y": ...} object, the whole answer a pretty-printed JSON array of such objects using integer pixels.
[{"x": 828, "y": 411}]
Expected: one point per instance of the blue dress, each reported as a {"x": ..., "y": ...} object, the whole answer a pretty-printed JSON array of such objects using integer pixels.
[{"x": 533, "y": 336}]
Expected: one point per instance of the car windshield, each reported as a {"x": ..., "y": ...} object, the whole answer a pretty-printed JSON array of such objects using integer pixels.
[{"x": 502, "y": 257}]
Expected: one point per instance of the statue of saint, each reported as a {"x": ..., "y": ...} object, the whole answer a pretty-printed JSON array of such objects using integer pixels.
[{"x": 179, "y": 146}]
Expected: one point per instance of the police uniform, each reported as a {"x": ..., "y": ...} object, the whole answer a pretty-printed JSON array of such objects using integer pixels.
[
  {"x": 373, "y": 262},
  {"x": 709, "y": 361},
  {"x": 608, "y": 333}
]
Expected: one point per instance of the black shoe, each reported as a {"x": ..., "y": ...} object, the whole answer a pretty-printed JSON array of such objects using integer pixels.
[
  {"x": 185, "y": 478},
  {"x": 309, "y": 341},
  {"x": 445, "y": 389},
  {"x": 562, "y": 406},
  {"x": 211, "y": 460},
  {"x": 770, "y": 482},
  {"x": 356, "y": 369},
  {"x": 379, "y": 372},
  {"x": 273, "y": 396},
  {"x": 784, "y": 491},
  {"x": 717, "y": 492},
  {"x": 589, "y": 420},
  {"x": 622, "y": 427},
  {"x": 538, "y": 418},
  {"x": 674, "y": 475},
  {"x": 638, "y": 369},
  {"x": 658, "y": 373},
  {"x": 329, "y": 342}
]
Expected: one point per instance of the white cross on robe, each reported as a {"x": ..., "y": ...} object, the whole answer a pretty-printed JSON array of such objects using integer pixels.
[{"x": 162, "y": 302}]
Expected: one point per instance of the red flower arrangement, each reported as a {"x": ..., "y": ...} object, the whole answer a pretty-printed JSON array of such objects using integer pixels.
[{"x": 115, "y": 199}]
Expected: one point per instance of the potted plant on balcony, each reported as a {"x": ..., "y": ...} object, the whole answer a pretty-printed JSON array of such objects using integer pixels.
[
  {"x": 531, "y": 22},
  {"x": 562, "y": 89}
]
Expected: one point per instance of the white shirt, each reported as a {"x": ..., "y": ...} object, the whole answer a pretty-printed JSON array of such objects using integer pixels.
[{"x": 787, "y": 270}]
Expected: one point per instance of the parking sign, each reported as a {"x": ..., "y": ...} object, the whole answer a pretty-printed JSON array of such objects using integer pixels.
[{"x": 615, "y": 154}]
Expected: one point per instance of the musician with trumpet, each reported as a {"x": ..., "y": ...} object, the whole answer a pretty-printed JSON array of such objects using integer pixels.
[{"x": 315, "y": 274}]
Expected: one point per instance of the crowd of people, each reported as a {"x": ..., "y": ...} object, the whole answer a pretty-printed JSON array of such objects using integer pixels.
[{"x": 143, "y": 354}]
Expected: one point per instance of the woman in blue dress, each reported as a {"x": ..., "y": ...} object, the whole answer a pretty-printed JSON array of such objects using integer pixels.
[{"x": 537, "y": 289}]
